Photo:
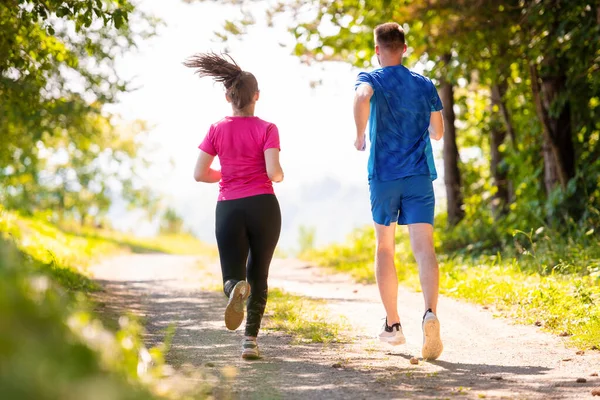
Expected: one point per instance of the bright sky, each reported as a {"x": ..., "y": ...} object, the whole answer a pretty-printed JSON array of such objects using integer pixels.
[{"x": 325, "y": 178}]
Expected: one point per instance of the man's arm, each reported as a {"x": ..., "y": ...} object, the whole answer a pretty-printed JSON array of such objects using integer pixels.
[
  {"x": 362, "y": 109},
  {"x": 436, "y": 125},
  {"x": 203, "y": 172}
]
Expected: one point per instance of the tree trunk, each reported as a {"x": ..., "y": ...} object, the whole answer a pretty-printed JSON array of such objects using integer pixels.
[
  {"x": 451, "y": 157},
  {"x": 558, "y": 150},
  {"x": 550, "y": 170},
  {"x": 498, "y": 171},
  {"x": 500, "y": 90}
]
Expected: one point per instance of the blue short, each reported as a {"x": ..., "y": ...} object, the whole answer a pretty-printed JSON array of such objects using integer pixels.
[{"x": 407, "y": 200}]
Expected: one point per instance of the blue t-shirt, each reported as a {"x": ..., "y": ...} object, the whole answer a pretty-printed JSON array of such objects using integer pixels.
[{"x": 401, "y": 109}]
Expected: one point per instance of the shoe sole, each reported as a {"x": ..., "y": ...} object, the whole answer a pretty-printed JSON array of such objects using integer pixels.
[
  {"x": 432, "y": 343},
  {"x": 234, "y": 312},
  {"x": 393, "y": 341},
  {"x": 250, "y": 356}
]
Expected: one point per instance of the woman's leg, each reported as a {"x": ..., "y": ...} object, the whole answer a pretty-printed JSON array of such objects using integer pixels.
[
  {"x": 232, "y": 241},
  {"x": 264, "y": 226}
]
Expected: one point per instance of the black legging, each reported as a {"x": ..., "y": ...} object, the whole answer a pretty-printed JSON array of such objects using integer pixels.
[{"x": 247, "y": 232}]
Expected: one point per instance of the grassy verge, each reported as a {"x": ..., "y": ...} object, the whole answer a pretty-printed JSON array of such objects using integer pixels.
[
  {"x": 52, "y": 344},
  {"x": 51, "y": 347},
  {"x": 525, "y": 286},
  {"x": 64, "y": 252},
  {"x": 61, "y": 255},
  {"x": 305, "y": 319},
  {"x": 183, "y": 244}
]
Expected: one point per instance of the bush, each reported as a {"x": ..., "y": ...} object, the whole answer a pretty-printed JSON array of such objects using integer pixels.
[{"x": 51, "y": 348}]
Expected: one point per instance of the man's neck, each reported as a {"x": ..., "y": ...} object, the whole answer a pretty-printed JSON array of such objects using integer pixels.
[
  {"x": 389, "y": 59},
  {"x": 391, "y": 62}
]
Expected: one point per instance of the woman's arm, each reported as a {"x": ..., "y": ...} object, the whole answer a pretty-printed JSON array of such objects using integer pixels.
[
  {"x": 274, "y": 170},
  {"x": 203, "y": 172}
]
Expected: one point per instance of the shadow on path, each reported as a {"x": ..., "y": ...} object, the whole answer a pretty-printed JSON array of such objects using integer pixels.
[{"x": 290, "y": 370}]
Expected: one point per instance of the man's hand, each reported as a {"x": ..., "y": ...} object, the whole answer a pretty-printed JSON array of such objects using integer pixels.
[{"x": 360, "y": 143}]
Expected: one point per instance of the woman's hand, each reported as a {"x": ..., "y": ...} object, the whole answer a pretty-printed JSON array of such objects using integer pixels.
[{"x": 203, "y": 172}]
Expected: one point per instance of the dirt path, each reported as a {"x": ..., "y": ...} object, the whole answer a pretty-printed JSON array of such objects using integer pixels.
[{"x": 484, "y": 357}]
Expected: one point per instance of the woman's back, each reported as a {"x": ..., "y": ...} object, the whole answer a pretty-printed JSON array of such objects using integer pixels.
[{"x": 240, "y": 143}]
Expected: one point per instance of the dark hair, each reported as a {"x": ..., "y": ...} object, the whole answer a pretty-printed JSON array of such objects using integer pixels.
[
  {"x": 390, "y": 36},
  {"x": 241, "y": 86}
]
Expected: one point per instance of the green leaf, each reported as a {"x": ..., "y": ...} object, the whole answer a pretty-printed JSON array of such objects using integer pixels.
[
  {"x": 62, "y": 11},
  {"x": 117, "y": 17}
]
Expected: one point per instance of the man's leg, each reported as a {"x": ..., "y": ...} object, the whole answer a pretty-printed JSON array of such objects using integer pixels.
[
  {"x": 385, "y": 270},
  {"x": 421, "y": 240}
]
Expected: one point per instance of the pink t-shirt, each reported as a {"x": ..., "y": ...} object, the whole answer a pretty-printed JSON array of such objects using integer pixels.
[{"x": 240, "y": 143}]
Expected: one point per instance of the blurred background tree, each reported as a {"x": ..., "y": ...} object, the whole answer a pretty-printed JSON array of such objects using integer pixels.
[
  {"x": 60, "y": 149},
  {"x": 171, "y": 223}
]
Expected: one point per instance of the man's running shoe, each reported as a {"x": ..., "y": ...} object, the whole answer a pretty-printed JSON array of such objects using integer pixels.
[
  {"x": 432, "y": 343},
  {"x": 234, "y": 312}
]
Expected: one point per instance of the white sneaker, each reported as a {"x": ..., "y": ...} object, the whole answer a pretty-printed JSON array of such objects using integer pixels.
[
  {"x": 432, "y": 343},
  {"x": 392, "y": 334},
  {"x": 234, "y": 312}
]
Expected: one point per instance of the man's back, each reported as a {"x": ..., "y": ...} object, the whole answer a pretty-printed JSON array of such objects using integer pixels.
[{"x": 401, "y": 108}]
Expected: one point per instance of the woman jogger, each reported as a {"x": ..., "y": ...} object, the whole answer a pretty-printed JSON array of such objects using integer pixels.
[{"x": 248, "y": 218}]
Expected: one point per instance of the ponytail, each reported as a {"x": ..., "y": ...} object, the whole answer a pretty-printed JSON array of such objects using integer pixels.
[{"x": 241, "y": 86}]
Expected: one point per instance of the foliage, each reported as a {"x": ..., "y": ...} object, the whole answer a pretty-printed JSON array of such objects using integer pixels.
[
  {"x": 543, "y": 278},
  {"x": 51, "y": 347},
  {"x": 61, "y": 150},
  {"x": 171, "y": 222}
]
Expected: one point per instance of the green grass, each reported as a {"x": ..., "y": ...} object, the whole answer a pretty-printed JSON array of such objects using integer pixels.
[
  {"x": 307, "y": 320},
  {"x": 528, "y": 286},
  {"x": 52, "y": 344},
  {"x": 563, "y": 304}
]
